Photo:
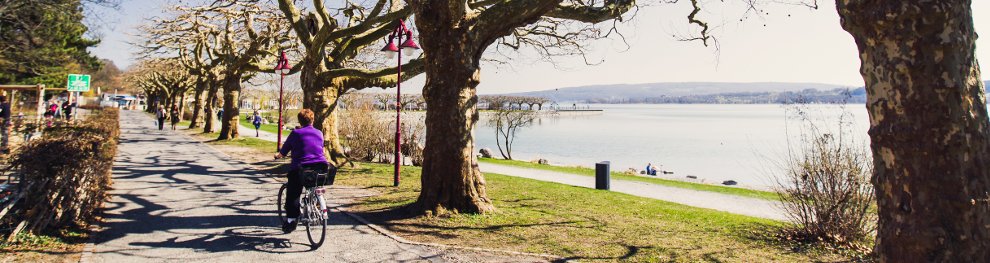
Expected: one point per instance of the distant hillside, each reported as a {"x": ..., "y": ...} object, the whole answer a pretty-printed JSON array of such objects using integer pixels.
[{"x": 704, "y": 92}]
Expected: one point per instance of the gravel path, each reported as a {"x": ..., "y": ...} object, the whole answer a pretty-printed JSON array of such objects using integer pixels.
[
  {"x": 722, "y": 202},
  {"x": 176, "y": 200}
]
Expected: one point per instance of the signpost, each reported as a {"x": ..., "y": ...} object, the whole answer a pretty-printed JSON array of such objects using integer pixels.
[{"x": 76, "y": 83}]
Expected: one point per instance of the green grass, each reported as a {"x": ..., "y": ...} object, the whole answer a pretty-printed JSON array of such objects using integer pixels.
[
  {"x": 243, "y": 141},
  {"x": 271, "y": 128},
  {"x": 579, "y": 223},
  {"x": 254, "y": 143},
  {"x": 621, "y": 176},
  {"x": 62, "y": 246}
]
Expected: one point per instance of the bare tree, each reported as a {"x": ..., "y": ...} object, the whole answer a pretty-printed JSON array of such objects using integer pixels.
[
  {"x": 336, "y": 58},
  {"x": 240, "y": 38},
  {"x": 454, "y": 36},
  {"x": 824, "y": 182},
  {"x": 506, "y": 123},
  {"x": 928, "y": 125},
  {"x": 163, "y": 80}
]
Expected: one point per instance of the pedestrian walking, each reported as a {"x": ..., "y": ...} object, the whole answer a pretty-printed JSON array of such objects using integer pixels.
[
  {"x": 161, "y": 117},
  {"x": 174, "y": 115},
  {"x": 57, "y": 110},
  {"x": 257, "y": 124},
  {"x": 67, "y": 108},
  {"x": 4, "y": 124}
]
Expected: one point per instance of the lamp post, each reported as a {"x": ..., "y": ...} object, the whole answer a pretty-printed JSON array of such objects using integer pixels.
[
  {"x": 282, "y": 68},
  {"x": 407, "y": 46}
]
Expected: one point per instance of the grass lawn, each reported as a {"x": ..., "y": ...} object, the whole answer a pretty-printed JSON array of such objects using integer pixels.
[
  {"x": 243, "y": 141},
  {"x": 573, "y": 222},
  {"x": 271, "y": 128},
  {"x": 250, "y": 142},
  {"x": 621, "y": 176},
  {"x": 65, "y": 246},
  {"x": 579, "y": 223}
]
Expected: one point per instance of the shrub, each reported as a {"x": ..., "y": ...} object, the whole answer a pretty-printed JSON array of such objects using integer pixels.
[
  {"x": 825, "y": 188},
  {"x": 369, "y": 135},
  {"x": 366, "y": 136},
  {"x": 66, "y": 173}
]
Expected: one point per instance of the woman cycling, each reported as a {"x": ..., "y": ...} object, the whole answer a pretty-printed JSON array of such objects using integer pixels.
[{"x": 306, "y": 147}]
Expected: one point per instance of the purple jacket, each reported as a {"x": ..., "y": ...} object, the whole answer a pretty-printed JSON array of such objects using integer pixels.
[{"x": 306, "y": 145}]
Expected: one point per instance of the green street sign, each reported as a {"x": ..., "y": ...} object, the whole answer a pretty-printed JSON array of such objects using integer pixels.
[{"x": 78, "y": 82}]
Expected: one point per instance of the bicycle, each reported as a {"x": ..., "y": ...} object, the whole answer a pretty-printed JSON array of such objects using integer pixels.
[{"x": 314, "y": 213}]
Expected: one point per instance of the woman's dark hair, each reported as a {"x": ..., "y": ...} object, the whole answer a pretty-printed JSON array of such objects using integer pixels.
[{"x": 306, "y": 117}]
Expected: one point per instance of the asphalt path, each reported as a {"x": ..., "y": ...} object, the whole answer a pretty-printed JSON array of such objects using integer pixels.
[{"x": 177, "y": 200}]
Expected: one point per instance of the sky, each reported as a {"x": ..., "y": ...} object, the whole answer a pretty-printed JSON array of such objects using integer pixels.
[{"x": 785, "y": 43}]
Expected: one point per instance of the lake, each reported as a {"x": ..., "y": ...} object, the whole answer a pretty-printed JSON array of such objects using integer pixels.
[{"x": 715, "y": 142}]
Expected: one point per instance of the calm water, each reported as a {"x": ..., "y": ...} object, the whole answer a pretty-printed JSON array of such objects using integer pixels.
[{"x": 713, "y": 142}]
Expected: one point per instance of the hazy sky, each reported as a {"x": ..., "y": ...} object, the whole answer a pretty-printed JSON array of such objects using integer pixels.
[{"x": 790, "y": 44}]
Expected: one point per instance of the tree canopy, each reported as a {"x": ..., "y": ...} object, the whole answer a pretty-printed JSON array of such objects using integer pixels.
[{"x": 43, "y": 40}]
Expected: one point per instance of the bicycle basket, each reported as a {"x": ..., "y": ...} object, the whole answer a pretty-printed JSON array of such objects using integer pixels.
[{"x": 317, "y": 177}]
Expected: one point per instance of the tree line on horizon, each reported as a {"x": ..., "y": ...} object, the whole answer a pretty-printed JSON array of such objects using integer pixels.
[{"x": 809, "y": 96}]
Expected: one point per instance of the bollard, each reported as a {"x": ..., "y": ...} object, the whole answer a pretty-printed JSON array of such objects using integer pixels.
[{"x": 602, "y": 175}]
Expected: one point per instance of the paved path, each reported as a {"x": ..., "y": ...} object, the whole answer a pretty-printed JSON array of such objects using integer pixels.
[
  {"x": 722, "y": 202},
  {"x": 176, "y": 200}
]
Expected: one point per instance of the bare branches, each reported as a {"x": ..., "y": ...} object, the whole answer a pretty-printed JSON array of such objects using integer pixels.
[
  {"x": 236, "y": 36},
  {"x": 589, "y": 12},
  {"x": 693, "y": 20}
]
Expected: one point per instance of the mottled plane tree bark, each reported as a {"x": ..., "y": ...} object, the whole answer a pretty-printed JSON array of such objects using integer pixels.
[
  {"x": 205, "y": 72},
  {"x": 454, "y": 36},
  {"x": 928, "y": 125},
  {"x": 336, "y": 58}
]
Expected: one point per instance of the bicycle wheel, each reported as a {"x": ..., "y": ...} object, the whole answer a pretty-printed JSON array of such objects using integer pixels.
[
  {"x": 317, "y": 223},
  {"x": 281, "y": 198}
]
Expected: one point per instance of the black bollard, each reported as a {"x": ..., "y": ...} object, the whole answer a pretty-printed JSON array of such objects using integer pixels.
[{"x": 602, "y": 175}]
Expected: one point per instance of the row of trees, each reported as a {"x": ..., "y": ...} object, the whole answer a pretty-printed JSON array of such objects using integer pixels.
[
  {"x": 221, "y": 44},
  {"x": 930, "y": 140},
  {"x": 498, "y": 102}
]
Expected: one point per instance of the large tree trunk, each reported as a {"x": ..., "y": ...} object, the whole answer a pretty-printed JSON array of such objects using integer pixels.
[
  {"x": 210, "y": 108},
  {"x": 322, "y": 100},
  {"x": 182, "y": 104},
  {"x": 324, "y": 104},
  {"x": 928, "y": 118},
  {"x": 451, "y": 181},
  {"x": 231, "y": 109},
  {"x": 197, "y": 105}
]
